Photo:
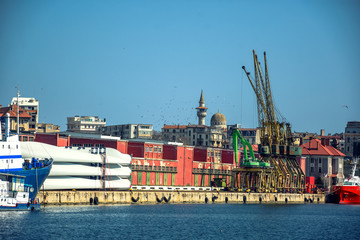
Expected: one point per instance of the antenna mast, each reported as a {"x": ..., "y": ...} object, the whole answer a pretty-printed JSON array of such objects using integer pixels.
[{"x": 17, "y": 114}]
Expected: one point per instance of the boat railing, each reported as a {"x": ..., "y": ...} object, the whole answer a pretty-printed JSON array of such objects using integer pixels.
[{"x": 37, "y": 163}]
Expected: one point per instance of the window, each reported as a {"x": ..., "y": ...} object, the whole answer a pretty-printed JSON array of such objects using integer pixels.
[
  {"x": 150, "y": 149},
  {"x": 171, "y": 169},
  {"x": 146, "y": 167},
  {"x": 141, "y": 167},
  {"x": 159, "y": 149},
  {"x": 163, "y": 168},
  {"x": 155, "y": 149},
  {"x": 150, "y": 168},
  {"x": 146, "y": 149},
  {"x": 167, "y": 169}
]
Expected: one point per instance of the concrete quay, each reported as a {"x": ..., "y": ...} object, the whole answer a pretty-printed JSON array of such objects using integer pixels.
[{"x": 172, "y": 197}]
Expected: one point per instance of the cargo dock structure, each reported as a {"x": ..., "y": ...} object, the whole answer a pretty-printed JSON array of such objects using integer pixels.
[{"x": 48, "y": 198}]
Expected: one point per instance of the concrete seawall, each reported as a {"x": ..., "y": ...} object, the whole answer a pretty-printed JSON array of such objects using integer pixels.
[{"x": 175, "y": 197}]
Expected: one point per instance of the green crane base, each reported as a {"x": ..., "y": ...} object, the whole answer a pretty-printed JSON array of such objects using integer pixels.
[
  {"x": 249, "y": 164},
  {"x": 255, "y": 164},
  {"x": 264, "y": 164}
]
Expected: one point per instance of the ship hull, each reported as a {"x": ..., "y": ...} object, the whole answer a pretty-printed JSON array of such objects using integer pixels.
[
  {"x": 347, "y": 194},
  {"x": 33, "y": 177},
  {"x": 21, "y": 207}
]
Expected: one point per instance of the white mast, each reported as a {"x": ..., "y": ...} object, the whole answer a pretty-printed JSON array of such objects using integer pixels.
[
  {"x": 354, "y": 168},
  {"x": 17, "y": 114}
]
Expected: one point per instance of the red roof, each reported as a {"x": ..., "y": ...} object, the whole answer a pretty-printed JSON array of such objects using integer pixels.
[
  {"x": 198, "y": 126},
  {"x": 175, "y": 126},
  {"x": 335, "y": 151},
  {"x": 314, "y": 147},
  {"x": 12, "y": 110}
]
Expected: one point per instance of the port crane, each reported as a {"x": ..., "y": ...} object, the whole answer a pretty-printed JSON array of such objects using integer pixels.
[{"x": 276, "y": 146}]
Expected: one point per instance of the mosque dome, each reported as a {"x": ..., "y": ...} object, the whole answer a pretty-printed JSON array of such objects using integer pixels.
[{"x": 218, "y": 119}]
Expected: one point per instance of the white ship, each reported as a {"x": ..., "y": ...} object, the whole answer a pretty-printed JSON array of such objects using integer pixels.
[
  {"x": 82, "y": 168},
  {"x": 14, "y": 193}
]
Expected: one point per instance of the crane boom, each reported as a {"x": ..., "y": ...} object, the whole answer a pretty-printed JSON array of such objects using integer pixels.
[{"x": 276, "y": 142}]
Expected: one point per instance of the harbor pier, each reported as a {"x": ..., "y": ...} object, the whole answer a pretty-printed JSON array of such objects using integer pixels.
[{"x": 173, "y": 197}]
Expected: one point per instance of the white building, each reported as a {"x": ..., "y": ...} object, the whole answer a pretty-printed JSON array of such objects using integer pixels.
[
  {"x": 85, "y": 124},
  {"x": 324, "y": 162},
  {"x": 129, "y": 131}
]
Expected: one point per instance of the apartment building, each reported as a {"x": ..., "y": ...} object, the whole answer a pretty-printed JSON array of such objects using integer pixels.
[
  {"x": 85, "y": 124},
  {"x": 129, "y": 131}
]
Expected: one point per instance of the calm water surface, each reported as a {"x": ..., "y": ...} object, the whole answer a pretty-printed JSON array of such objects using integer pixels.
[{"x": 185, "y": 221}]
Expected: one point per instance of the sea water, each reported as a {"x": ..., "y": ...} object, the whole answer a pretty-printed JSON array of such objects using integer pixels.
[{"x": 185, "y": 221}]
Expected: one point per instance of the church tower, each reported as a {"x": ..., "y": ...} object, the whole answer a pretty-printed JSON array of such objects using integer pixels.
[{"x": 201, "y": 110}]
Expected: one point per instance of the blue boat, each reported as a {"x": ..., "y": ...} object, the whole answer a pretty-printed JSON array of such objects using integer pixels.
[
  {"x": 20, "y": 178},
  {"x": 15, "y": 194},
  {"x": 34, "y": 172}
]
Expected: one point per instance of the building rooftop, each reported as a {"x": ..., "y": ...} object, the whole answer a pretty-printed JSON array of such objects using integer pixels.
[
  {"x": 314, "y": 147},
  {"x": 174, "y": 126},
  {"x": 12, "y": 110}
]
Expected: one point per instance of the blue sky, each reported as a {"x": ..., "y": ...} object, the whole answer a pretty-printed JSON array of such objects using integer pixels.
[{"x": 147, "y": 61}]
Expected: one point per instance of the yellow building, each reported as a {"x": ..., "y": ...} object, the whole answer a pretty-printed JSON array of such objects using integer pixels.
[
  {"x": 24, "y": 118},
  {"x": 47, "y": 128}
]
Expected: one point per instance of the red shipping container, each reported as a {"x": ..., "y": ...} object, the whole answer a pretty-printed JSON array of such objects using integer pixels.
[{"x": 310, "y": 180}]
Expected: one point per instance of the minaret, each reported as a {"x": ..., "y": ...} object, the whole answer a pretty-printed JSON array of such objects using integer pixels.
[{"x": 201, "y": 110}]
